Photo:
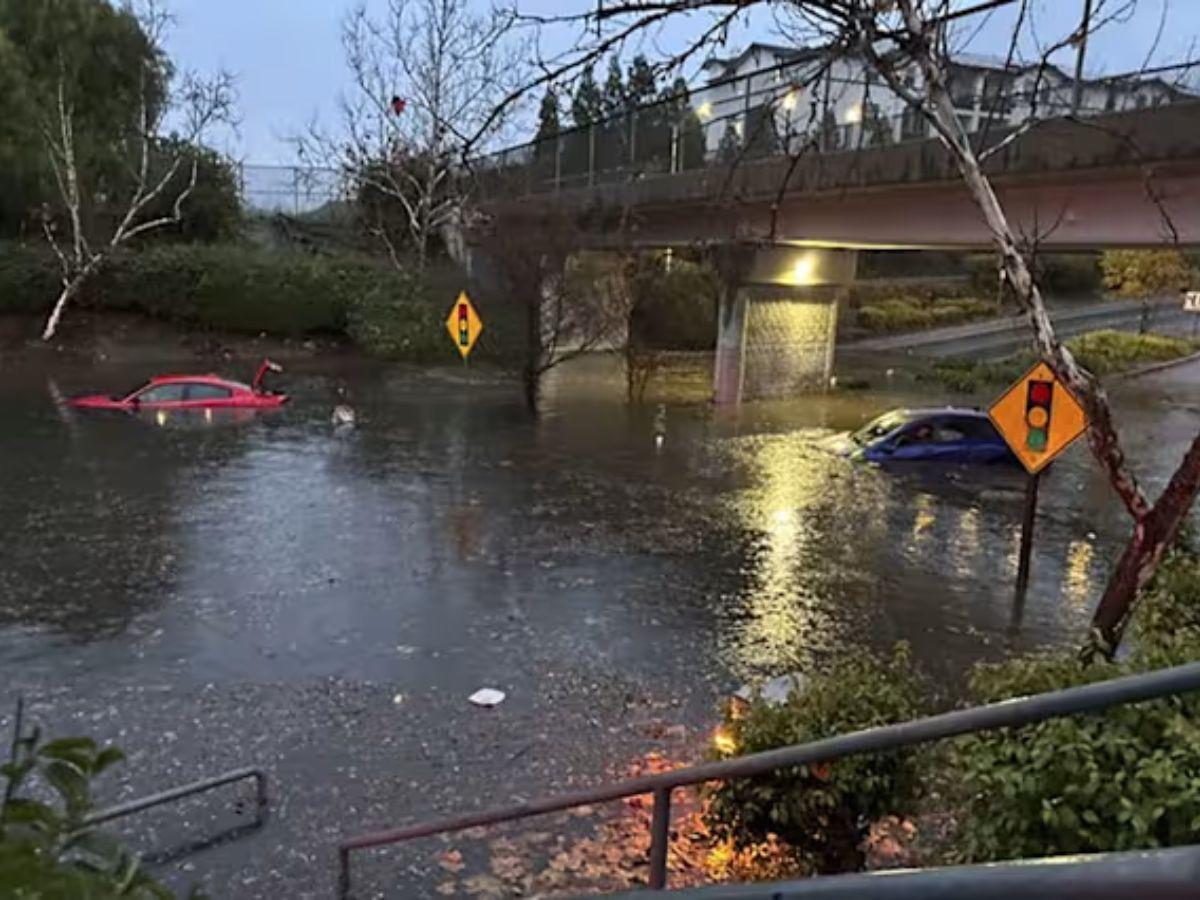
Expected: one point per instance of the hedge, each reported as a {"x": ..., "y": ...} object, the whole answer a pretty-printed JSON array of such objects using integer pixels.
[{"x": 244, "y": 289}]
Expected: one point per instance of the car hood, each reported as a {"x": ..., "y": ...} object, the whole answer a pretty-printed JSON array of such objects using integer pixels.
[
  {"x": 840, "y": 444},
  {"x": 94, "y": 401}
]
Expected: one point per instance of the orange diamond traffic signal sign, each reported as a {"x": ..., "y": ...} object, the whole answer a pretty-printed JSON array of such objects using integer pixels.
[
  {"x": 1038, "y": 417},
  {"x": 464, "y": 325}
]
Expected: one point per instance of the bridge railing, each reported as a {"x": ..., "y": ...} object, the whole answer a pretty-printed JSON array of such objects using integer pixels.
[
  {"x": 1007, "y": 714},
  {"x": 777, "y": 111}
]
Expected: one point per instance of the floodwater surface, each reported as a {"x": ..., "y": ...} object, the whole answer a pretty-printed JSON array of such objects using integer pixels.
[{"x": 212, "y": 591}]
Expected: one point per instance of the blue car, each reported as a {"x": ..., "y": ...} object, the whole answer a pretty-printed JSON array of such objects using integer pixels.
[{"x": 946, "y": 435}]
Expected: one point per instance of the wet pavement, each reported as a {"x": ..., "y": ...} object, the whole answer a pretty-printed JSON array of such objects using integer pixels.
[{"x": 211, "y": 593}]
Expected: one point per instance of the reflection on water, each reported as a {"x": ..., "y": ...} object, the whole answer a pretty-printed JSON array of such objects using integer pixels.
[{"x": 276, "y": 547}]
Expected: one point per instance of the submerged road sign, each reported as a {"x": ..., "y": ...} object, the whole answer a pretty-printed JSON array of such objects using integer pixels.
[
  {"x": 1038, "y": 417},
  {"x": 464, "y": 325}
]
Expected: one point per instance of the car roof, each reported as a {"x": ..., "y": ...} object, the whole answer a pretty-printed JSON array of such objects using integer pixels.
[
  {"x": 199, "y": 379},
  {"x": 963, "y": 412}
]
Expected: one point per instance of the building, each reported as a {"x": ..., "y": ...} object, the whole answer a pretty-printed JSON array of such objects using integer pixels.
[{"x": 770, "y": 98}]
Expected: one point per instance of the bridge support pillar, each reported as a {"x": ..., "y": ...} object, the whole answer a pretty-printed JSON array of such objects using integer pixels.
[{"x": 778, "y": 320}]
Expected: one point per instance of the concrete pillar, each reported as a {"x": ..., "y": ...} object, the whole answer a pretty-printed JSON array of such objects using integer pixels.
[{"x": 778, "y": 321}]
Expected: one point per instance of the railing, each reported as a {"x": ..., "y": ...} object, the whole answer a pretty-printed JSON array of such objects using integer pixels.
[
  {"x": 783, "y": 109},
  {"x": 186, "y": 790},
  {"x": 1006, "y": 714}
]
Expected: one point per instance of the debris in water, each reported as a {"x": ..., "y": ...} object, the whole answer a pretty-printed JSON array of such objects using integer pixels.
[{"x": 487, "y": 697}]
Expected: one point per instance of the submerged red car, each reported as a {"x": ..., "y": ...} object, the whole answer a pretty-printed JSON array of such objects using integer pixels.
[{"x": 191, "y": 392}]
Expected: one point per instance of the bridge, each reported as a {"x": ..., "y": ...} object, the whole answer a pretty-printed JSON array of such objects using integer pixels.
[{"x": 787, "y": 229}]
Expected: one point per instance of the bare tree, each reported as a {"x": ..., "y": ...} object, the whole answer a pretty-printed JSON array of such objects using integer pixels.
[
  {"x": 95, "y": 222},
  {"x": 909, "y": 44},
  {"x": 426, "y": 77},
  {"x": 564, "y": 305}
]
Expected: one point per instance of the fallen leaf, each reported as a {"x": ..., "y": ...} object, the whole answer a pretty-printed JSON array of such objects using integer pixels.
[{"x": 452, "y": 861}]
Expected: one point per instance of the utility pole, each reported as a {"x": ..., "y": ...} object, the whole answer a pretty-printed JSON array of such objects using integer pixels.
[{"x": 1080, "y": 53}]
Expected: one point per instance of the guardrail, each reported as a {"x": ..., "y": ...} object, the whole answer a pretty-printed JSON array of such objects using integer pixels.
[{"x": 1006, "y": 714}]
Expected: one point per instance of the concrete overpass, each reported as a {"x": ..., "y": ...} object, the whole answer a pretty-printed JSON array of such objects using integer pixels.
[{"x": 786, "y": 232}]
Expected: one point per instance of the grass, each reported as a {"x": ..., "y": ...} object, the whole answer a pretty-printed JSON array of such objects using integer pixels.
[
  {"x": 1100, "y": 352},
  {"x": 912, "y": 313}
]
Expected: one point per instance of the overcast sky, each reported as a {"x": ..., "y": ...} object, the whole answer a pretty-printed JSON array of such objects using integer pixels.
[{"x": 288, "y": 59}]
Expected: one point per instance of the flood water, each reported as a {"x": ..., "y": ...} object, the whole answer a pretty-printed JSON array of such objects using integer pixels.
[{"x": 211, "y": 593}]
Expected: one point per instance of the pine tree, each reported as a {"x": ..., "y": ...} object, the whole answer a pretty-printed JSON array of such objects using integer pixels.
[
  {"x": 640, "y": 87},
  {"x": 729, "y": 151},
  {"x": 586, "y": 103},
  {"x": 613, "y": 99},
  {"x": 548, "y": 124}
]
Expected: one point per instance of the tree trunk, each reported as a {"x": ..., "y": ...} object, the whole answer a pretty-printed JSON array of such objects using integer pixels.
[
  {"x": 1152, "y": 536},
  {"x": 534, "y": 364},
  {"x": 70, "y": 289}
]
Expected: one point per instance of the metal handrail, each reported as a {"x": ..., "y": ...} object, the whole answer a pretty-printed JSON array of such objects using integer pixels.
[
  {"x": 1004, "y": 714},
  {"x": 185, "y": 790}
]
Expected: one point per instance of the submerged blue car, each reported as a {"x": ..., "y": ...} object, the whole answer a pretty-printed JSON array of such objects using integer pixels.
[{"x": 948, "y": 435}]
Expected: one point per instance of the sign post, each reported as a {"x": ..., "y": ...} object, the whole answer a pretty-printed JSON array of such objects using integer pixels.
[
  {"x": 1038, "y": 417},
  {"x": 1191, "y": 304},
  {"x": 464, "y": 325}
]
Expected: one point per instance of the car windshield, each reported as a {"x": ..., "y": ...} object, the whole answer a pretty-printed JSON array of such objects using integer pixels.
[
  {"x": 872, "y": 431},
  {"x": 128, "y": 393}
]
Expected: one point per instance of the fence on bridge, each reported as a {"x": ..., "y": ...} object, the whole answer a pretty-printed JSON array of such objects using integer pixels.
[{"x": 779, "y": 110}]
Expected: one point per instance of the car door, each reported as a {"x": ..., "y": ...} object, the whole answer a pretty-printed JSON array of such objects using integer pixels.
[
  {"x": 201, "y": 395},
  {"x": 161, "y": 396},
  {"x": 913, "y": 442}
]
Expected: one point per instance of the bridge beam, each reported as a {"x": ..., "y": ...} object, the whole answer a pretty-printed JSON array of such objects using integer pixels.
[{"x": 778, "y": 320}]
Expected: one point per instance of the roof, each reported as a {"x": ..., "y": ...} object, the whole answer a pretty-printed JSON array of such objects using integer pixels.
[
  {"x": 785, "y": 54},
  {"x": 200, "y": 379}
]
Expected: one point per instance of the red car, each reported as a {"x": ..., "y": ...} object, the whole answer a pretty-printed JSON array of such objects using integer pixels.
[{"x": 191, "y": 392}]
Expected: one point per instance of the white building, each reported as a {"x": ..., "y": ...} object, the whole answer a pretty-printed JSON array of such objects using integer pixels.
[{"x": 772, "y": 97}]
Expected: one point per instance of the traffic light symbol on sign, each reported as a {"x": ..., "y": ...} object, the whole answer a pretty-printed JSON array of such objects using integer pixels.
[
  {"x": 464, "y": 328},
  {"x": 1037, "y": 414}
]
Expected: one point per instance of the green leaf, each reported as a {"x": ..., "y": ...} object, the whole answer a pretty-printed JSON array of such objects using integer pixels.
[
  {"x": 72, "y": 785},
  {"x": 21, "y": 811},
  {"x": 109, "y": 756}
]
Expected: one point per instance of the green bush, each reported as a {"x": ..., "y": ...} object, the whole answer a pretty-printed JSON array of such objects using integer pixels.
[
  {"x": 249, "y": 290},
  {"x": 820, "y": 810},
  {"x": 46, "y": 849},
  {"x": 1057, "y": 273},
  {"x": 675, "y": 310},
  {"x": 1106, "y": 352},
  {"x": 29, "y": 279},
  {"x": 912, "y": 313},
  {"x": 1123, "y": 779}
]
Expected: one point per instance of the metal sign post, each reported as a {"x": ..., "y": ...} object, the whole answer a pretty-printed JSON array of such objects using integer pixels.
[
  {"x": 1038, "y": 419},
  {"x": 1191, "y": 304}
]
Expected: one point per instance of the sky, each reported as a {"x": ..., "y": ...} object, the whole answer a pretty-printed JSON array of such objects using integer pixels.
[{"x": 287, "y": 56}]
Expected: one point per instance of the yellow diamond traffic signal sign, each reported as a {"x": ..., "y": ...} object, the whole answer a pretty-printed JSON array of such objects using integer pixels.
[
  {"x": 1038, "y": 417},
  {"x": 464, "y": 325}
]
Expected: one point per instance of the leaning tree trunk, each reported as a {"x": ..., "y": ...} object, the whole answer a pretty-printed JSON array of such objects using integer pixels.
[
  {"x": 68, "y": 293},
  {"x": 1152, "y": 536}
]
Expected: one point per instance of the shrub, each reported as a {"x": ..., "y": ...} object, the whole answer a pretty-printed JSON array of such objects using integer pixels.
[
  {"x": 46, "y": 850},
  {"x": 250, "y": 290},
  {"x": 1057, "y": 273},
  {"x": 1123, "y": 779},
  {"x": 1105, "y": 352},
  {"x": 911, "y": 313},
  {"x": 674, "y": 310},
  {"x": 821, "y": 810}
]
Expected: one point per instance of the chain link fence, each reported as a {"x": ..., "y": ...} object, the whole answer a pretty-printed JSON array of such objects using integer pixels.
[{"x": 298, "y": 191}]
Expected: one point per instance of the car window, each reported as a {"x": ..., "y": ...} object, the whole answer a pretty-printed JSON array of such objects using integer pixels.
[
  {"x": 974, "y": 428},
  {"x": 921, "y": 432},
  {"x": 948, "y": 433},
  {"x": 877, "y": 428},
  {"x": 207, "y": 392},
  {"x": 163, "y": 393}
]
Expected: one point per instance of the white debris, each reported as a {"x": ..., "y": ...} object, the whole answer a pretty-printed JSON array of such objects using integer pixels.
[
  {"x": 487, "y": 697},
  {"x": 343, "y": 415},
  {"x": 775, "y": 691}
]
